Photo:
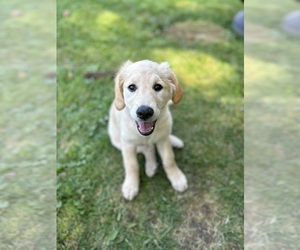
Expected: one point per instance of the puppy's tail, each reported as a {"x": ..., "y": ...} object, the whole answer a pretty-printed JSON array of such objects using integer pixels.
[{"x": 176, "y": 142}]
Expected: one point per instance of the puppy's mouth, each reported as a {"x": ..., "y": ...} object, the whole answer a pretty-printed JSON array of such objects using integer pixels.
[{"x": 145, "y": 128}]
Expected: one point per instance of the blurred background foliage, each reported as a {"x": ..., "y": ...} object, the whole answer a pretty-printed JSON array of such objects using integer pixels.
[
  {"x": 271, "y": 128},
  {"x": 27, "y": 125}
]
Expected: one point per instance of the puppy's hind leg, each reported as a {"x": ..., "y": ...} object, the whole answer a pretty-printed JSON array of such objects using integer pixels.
[
  {"x": 176, "y": 142},
  {"x": 150, "y": 158}
]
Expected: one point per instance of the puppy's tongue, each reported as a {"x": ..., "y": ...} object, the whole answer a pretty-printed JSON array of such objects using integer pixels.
[{"x": 145, "y": 128}]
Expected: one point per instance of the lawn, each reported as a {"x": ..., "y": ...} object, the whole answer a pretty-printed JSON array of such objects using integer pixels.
[
  {"x": 271, "y": 128},
  {"x": 195, "y": 37}
]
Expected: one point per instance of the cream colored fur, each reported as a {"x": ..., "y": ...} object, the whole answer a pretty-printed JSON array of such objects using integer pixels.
[{"x": 122, "y": 126}]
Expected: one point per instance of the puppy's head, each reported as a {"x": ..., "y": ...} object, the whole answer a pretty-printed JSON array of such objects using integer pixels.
[{"x": 145, "y": 88}]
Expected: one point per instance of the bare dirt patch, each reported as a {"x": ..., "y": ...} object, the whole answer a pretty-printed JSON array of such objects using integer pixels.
[
  {"x": 199, "y": 229},
  {"x": 197, "y": 31}
]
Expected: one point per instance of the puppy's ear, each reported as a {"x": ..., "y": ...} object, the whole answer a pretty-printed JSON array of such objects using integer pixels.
[
  {"x": 177, "y": 90},
  {"x": 119, "y": 81}
]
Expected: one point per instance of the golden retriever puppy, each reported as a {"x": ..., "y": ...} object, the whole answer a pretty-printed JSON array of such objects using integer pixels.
[{"x": 140, "y": 120}]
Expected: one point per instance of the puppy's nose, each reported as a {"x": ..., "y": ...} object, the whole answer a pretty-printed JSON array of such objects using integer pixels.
[{"x": 144, "y": 112}]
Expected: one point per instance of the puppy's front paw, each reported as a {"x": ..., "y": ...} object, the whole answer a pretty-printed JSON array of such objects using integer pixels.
[
  {"x": 179, "y": 181},
  {"x": 130, "y": 189}
]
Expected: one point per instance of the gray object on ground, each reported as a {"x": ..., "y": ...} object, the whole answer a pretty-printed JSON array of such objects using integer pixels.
[
  {"x": 238, "y": 23},
  {"x": 291, "y": 23}
]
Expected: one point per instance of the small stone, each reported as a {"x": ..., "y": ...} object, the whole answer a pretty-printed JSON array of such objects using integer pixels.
[
  {"x": 66, "y": 13},
  {"x": 16, "y": 13}
]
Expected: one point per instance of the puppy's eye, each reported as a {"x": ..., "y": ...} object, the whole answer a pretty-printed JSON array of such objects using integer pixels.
[
  {"x": 157, "y": 87},
  {"x": 132, "y": 87}
]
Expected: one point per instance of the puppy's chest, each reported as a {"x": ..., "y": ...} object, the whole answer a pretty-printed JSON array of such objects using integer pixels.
[{"x": 148, "y": 140}]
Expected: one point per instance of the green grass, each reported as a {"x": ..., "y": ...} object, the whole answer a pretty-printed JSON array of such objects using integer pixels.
[
  {"x": 91, "y": 213},
  {"x": 27, "y": 125},
  {"x": 271, "y": 128}
]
